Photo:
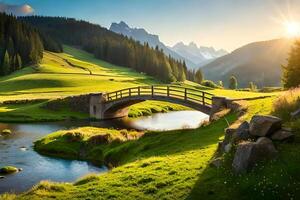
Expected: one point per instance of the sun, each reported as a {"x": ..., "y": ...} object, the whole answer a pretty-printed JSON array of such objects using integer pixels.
[{"x": 292, "y": 29}]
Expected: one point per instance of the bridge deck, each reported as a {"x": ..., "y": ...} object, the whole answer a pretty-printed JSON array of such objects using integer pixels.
[{"x": 187, "y": 95}]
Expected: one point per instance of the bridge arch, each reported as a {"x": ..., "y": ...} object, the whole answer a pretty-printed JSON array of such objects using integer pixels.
[{"x": 116, "y": 104}]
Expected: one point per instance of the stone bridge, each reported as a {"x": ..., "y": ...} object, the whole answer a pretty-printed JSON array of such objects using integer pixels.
[{"x": 116, "y": 104}]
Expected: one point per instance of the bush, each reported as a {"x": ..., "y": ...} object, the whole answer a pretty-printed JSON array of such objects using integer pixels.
[
  {"x": 74, "y": 136},
  {"x": 209, "y": 83},
  {"x": 287, "y": 103}
]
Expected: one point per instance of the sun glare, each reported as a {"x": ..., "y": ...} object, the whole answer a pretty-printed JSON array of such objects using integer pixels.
[{"x": 293, "y": 29}]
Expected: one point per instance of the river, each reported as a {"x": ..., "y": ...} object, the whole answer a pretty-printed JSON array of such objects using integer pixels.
[{"x": 17, "y": 149}]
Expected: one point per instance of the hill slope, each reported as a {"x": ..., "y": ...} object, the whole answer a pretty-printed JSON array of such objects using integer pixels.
[{"x": 259, "y": 62}]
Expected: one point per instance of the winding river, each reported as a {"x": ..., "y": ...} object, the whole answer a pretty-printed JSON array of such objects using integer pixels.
[{"x": 16, "y": 149}]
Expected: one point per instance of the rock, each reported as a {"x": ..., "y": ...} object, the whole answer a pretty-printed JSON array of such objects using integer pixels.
[
  {"x": 6, "y": 132},
  {"x": 227, "y": 147},
  {"x": 261, "y": 125},
  {"x": 229, "y": 133},
  {"x": 216, "y": 162},
  {"x": 20, "y": 169},
  {"x": 8, "y": 170},
  {"x": 295, "y": 114},
  {"x": 283, "y": 135},
  {"x": 242, "y": 132},
  {"x": 2, "y": 177},
  {"x": 249, "y": 153}
]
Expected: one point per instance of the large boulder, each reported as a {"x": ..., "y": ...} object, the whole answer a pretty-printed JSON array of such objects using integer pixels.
[
  {"x": 249, "y": 153},
  {"x": 261, "y": 125},
  {"x": 283, "y": 135},
  {"x": 242, "y": 132}
]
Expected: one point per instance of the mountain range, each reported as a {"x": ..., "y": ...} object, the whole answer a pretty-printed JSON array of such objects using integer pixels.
[
  {"x": 259, "y": 62},
  {"x": 199, "y": 55},
  {"x": 193, "y": 56}
]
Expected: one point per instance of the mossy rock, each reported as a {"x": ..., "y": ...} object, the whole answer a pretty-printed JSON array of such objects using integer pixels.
[
  {"x": 8, "y": 170},
  {"x": 6, "y": 132}
]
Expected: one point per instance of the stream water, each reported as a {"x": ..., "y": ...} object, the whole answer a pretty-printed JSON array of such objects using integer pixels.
[{"x": 16, "y": 149}]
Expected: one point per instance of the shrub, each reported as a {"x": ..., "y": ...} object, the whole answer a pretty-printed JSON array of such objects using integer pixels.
[
  {"x": 209, "y": 83},
  {"x": 287, "y": 103},
  {"x": 74, "y": 136}
]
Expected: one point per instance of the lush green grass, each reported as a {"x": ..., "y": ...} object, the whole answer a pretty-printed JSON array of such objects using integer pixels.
[
  {"x": 174, "y": 165},
  {"x": 96, "y": 143}
]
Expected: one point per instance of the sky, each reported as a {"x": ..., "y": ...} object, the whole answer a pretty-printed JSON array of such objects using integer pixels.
[{"x": 227, "y": 24}]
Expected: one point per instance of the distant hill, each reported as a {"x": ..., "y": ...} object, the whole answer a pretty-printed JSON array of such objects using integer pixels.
[
  {"x": 259, "y": 62},
  {"x": 199, "y": 55},
  {"x": 141, "y": 35}
]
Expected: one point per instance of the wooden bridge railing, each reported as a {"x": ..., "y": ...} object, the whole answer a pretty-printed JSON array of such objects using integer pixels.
[{"x": 187, "y": 94}]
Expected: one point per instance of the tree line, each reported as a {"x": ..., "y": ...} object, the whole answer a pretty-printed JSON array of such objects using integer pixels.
[
  {"x": 20, "y": 44},
  {"x": 111, "y": 47}
]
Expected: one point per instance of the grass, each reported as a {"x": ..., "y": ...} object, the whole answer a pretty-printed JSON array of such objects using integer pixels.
[
  {"x": 175, "y": 165},
  {"x": 87, "y": 143}
]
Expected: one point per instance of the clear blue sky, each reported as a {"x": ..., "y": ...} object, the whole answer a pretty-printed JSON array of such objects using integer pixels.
[{"x": 219, "y": 23}]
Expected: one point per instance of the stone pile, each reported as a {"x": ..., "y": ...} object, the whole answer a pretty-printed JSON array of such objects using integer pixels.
[{"x": 253, "y": 142}]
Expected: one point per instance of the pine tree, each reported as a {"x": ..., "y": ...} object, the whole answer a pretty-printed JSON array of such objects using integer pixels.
[
  {"x": 291, "y": 72},
  {"x": 199, "y": 76},
  {"x": 5, "y": 69},
  {"x": 233, "y": 83},
  {"x": 252, "y": 86},
  {"x": 221, "y": 84}
]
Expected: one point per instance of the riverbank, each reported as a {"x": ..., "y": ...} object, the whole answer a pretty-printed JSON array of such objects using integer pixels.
[{"x": 86, "y": 143}]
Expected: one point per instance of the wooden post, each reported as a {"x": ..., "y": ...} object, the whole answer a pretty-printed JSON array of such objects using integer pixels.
[
  {"x": 129, "y": 91},
  {"x": 139, "y": 91},
  {"x": 168, "y": 91},
  {"x": 121, "y": 93},
  {"x": 152, "y": 90},
  {"x": 203, "y": 98},
  {"x": 185, "y": 93}
]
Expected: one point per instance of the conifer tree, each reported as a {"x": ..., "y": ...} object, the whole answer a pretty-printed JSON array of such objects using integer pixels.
[
  {"x": 291, "y": 72},
  {"x": 5, "y": 69},
  {"x": 198, "y": 76},
  {"x": 233, "y": 83}
]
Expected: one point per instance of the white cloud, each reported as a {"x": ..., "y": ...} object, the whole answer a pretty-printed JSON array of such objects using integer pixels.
[{"x": 24, "y": 9}]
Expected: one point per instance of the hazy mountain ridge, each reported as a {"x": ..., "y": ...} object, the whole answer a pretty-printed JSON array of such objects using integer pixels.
[
  {"x": 199, "y": 55},
  {"x": 259, "y": 62}
]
